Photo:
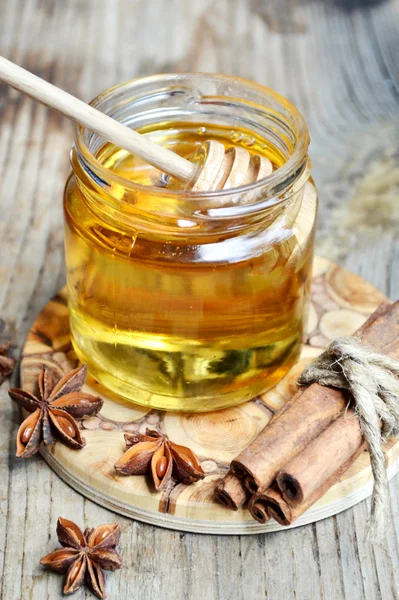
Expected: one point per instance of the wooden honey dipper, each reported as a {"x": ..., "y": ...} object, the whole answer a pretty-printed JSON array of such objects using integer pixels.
[{"x": 213, "y": 167}]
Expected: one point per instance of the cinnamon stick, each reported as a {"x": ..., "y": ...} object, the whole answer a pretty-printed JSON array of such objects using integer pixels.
[
  {"x": 311, "y": 411},
  {"x": 272, "y": 503},
  {"x": 309, "y": 469},
  {"x": 308, "y": 416},
  {"x": 231, "y": 493}
]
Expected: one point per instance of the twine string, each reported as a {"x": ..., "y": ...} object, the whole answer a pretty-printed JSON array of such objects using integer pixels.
[{"x": 372, "y": 380}]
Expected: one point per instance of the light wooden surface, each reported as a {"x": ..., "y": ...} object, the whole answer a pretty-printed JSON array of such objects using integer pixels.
[
  {"x": 340, "y": 304},
  {"x": 339, "y": 65},
  {"x": 88, "y": 116}
]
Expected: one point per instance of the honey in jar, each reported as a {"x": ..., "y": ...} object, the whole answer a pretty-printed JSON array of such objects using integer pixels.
[{"x": 186, "y": 300}]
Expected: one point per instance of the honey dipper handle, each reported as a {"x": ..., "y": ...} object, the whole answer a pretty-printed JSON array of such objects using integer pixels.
[{"x": 93, "y": 119}]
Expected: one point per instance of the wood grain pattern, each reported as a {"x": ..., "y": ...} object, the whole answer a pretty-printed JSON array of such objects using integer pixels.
[
  {"x": 338, "y": 61},
  {"x": 215, "y": 437}
]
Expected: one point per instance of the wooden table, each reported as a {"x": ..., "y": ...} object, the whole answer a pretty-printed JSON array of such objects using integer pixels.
[{"x": 338, "y": 61}]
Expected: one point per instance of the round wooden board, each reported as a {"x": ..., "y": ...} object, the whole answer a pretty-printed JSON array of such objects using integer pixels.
[{"x": 341, "y": 302}]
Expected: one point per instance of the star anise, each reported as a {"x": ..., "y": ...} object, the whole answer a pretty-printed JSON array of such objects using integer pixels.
[
  {"x": 53, "y": 411},
  {"x": 156, "y": 454},
  {"x": 84, "y": 555},
  {"x": 7, "y": 363}
]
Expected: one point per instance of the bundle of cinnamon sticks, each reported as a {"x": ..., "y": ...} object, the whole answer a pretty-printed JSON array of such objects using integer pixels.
[{"x": 308, "y": 444}]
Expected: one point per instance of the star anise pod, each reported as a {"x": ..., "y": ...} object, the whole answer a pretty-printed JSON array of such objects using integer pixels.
[
  {"x": 53, "y": 411},
  {"x": 7, "y": 363},
  {"x": 84, "y": 555},
  {"x": 156, "y": 454}
]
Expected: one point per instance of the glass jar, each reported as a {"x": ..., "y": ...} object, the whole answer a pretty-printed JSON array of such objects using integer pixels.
[{"x": 184, "y": 300}]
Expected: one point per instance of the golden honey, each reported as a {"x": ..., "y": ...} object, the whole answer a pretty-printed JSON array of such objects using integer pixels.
[{"x": 182, "y": 301}]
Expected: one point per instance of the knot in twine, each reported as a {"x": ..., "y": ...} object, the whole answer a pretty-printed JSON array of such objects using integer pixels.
[{"x": 372, "y": 380}]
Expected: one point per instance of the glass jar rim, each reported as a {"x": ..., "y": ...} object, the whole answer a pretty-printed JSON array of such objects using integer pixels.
[{"x": 294, "y": 165}]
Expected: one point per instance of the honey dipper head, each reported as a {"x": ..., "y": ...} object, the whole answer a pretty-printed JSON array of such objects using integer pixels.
[{"x": 221, "y": 169}]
